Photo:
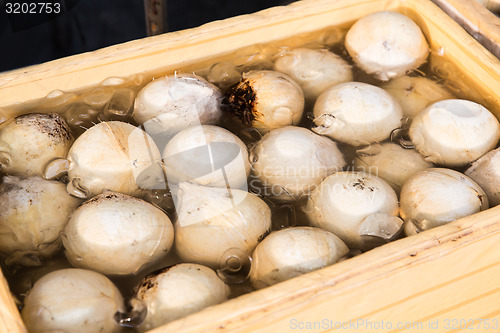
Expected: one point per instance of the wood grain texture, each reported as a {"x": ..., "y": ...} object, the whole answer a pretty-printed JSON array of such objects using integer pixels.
[
  {"x": 481, "y": 23},
  {"x": 441, "y": 274},
  {"x": 445, "y": 273},
  {"x": 10, "y": 319}
]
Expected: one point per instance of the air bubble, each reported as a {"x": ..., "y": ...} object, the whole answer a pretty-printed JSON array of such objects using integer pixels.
[
  {"x": 223, "y": 75},
  {"x": 55, "y": 94},
  {"x": 400, "y": 136},
  {"x": 80, "y": 117},
  {"x": 56, "y": 99},
  {"x": 135, "y": 314},
  {"x": 234, "y": 266},
  {"x": 258, "y": 60},
  {"x": 120, "y": 106},
  {"x": 98, "y": 98},
  {"x": 327, "y": 123},
  {"x": 75, "y": 189},
  {"x": 56, "y": 168},
  {"x": 113, "y": 81}
]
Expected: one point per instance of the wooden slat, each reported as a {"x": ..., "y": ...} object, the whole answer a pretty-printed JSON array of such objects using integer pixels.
[
  {"x": 446, "y": 273},
  {"x": 477, "y": 20},
  {"x": 10, "y": 319}
]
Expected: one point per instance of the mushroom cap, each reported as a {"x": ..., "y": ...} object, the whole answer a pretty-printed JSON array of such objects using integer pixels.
[
  {"x": 179, "y": 291},
  {"x": 212, "y": 221},
  {"x": 34, "y": 213},
  {"x": 110, "y": 156},
  {"x": 356, "y": 113},
  {"x": 29, "y": 142},
  {"x": 436, "y": 196},
  {"x": 313, "y": 70},
  {"x": 167, "y": 105},
  {"x": 291, "y": 161},
  {"x": 355, "y": 206},
  {"x": 391, "y": 162},
  {"x": 73, "y": 300},
  {"x": 215, "y": 156},
  {"x": 116, "y": 234},
  {"x": 291, "y": 252},
  {"x": 454, "y": 132},
  {"x": 415, "y": 93},
  {"x": 386, "y": 44},
  {"x": 267, "y": 100}
]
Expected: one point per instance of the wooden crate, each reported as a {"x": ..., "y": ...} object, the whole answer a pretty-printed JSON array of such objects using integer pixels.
[
  {"x": 481, "y": 23},
  {"x": 441, "y": 278}
]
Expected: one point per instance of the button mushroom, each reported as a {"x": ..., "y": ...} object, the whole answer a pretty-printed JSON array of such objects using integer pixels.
[
  {"x": 356, "y": 113},
  {"x": 73, "y": 300},
  {"x": 291, "y": 252},
  {"x": 28, "y": 143},
  {"x": 266, "y": 100},
  {"x": 178, "y": 291},
  {"x": 436, "y": 196},
  {"x": 360, "y": 208},
  {"x": 116, "y": 234},
  {"x": 313, "y": 70},
  {"x": 291, "y": 161},
  {"x": 167, "y": 105},
  {"x": 454, "y": 132},
  {"x": 386, "y": 44},
  {"x": 34, "y": 212}
]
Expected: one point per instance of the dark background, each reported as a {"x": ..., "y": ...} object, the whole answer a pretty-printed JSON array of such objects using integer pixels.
[{"x": 87, "y": 25}]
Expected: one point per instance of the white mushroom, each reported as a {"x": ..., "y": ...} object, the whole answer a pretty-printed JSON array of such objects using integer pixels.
[
  {"x": 391, "y": 162},
  {"x": 266, "y": 100},
  {"x": 73, "y": 300},
  {"x": 436, "y": 196},
  {"x": 33, "y": 213},
  {"x": 415, "y": 93},
  {"x": 167, "y": 105},
  {"x": 454, "y": 132},
  {"x": 486, "y": 173},
  {"x": 313, "y": 70},
  {"x": 178, "y": 291},
  {"x": 207, "y": 155},
  {"x": 360, "y": 208},
  {"x": 386, "y": 44},
  {"x": 114, "y": 156},
  {"x": 292, "y": 252},
  {"x": 28, "y": 143},
  {"x": 356, "y": 113},
  {"x": 291, "y": 161},
  {"x": 116, "y": 234},
  {"x": 213, "y": 221}
]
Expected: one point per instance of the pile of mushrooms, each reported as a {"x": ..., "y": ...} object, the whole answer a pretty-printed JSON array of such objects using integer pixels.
[{"x": 358, "y": 164}]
